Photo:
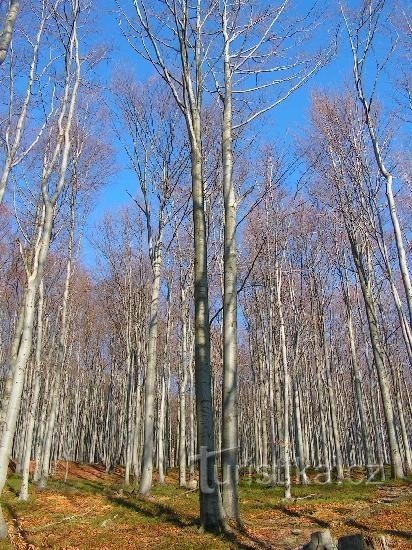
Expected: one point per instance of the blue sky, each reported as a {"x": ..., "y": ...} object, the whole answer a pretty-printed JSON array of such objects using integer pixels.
[{"x": 288, "y": 120}]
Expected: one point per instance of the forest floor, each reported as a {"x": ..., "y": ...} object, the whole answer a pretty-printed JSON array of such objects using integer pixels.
[{"x": 92, "y": 509}]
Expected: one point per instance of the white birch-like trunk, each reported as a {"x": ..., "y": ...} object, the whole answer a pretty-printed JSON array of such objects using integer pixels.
[
  {"x": 24, "y": 489},
  {"x": 150, "y": 380},
  {"x": 229, "y": 404}
]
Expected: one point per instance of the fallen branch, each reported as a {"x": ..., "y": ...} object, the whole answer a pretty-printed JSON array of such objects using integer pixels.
[
  {"x": 68, "y": 518},
  {"x": 307, "y": 496}
]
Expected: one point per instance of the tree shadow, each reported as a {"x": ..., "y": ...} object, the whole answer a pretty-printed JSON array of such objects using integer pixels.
[
  {"x": 155, "y": 510},
  {"x": 252, "y": 542},
  {"x": 295, "y": 514},
  {"x": 12, "y": 489},
  {"x": 396, "y": 532},
  {"x": 241, "y": 538},
  {"x": 91, "y": 486}
]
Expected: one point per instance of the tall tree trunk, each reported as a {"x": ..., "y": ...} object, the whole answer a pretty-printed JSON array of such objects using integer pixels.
[
  {"x": 286, "y": 390},
  {"x": 150, "y": 380},
  {"x": 209, "y": 506},
  {"x": 24, "y": 344},
  {"x": 182, "y": 394},
  {"x": 299, "y": 438},
  {"x": 161, "y": 430},
  {"x": 357, "y": 382},
  {"x": 229, "y": 405},
  {"x": 396, "y": 462},
  {"x": 24, "y": 489}
]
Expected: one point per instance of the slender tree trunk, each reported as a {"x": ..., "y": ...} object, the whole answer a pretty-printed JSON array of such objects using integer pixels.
[
  {"x": 182, "y": 396},
  {"x": 286, "y": 390},
  {"x": 229, "y": 406},
  {"x": 400, "y": 248},
  {"x": 358, "y": 388},
  {"x": 150, "y": 381},
  {"x": 396, "y": 463},
  {"x": 209, "y": 508},
  {"x": 24, "y": 346},
  {"x": 24, "y": 489},
  {"x": 161, "y": 430},
  {"x": 46, "y": 450},
  {"x": 299, "y": 439}
]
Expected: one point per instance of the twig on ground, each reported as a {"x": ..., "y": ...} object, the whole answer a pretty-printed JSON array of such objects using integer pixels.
[{"x": 68, "y": 518}]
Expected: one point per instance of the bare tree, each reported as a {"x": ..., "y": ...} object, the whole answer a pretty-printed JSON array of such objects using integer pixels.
[
  {"x": 184, "y": 76},
  {"x": 362, "y": 30},
  {"x": 55, "y": 160}
]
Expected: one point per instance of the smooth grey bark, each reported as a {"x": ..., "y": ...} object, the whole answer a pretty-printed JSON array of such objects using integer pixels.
[
  {"x": 61, "y": 350},
  {"x": 286, "y": 383},
  {"x": 333, "y": 412},
  {"x": 320, "y": 395},
  {"x": 185, "y": 363},
  {"x": 10, "y": 373},
  {"x": 25, "y": 345},
  {"x": 130, "y": 365},
  {"x": 137, "y": 434},
  {"x": 161, "y": 430},
  {"x": 229, "y": 403},
  {"x": 299, "y": 438},
  {"x": 356, "y": 376},
  {"x": 209, "y": 508},
  {"x": 150, "y": 379},
  {"x": 163, "y": 396},
  {"x": 190, "y": 62},
  {"x": 272, "y": 366},
  {"x": 396, "y": 462},
  {"x": 192, "y": 431},
  {"x": 6, "y": 32},
  {"x": 24, "y": 488},
  {"x": 404, "y": 432},
  {"x": 47, "y": 447}
]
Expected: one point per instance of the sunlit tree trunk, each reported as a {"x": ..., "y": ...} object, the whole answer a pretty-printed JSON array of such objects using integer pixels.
[
  {"x": 24, "y": 489},
  {"x": 6, "y": 32},
  {"x": 150, "y": 380},
  {"x": 229, "y": 406}
]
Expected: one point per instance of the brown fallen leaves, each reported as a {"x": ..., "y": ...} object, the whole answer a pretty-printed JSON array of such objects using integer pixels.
[{"x": 94, "y": 511}]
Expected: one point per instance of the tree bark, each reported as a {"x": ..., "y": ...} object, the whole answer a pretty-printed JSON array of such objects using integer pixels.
[
  {"x": 229, "y": 405},
  {"x": 7, "y": 32}
]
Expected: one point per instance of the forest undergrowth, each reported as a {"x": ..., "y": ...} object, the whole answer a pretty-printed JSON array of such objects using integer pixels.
[{"x": 85, "y": 507}]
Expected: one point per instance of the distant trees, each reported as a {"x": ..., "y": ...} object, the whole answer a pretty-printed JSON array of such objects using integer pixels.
[
  {"x": 158, "y": 156},
  {"x": 348, "y": 173},
  {"x": 249, "y": 310}
]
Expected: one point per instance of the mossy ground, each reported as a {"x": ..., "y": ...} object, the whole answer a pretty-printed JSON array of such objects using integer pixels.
[{"x": 94, "y": 510}]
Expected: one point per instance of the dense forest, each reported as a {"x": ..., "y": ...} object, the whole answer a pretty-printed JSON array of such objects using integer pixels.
[{"x": 246, "y": 314}]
